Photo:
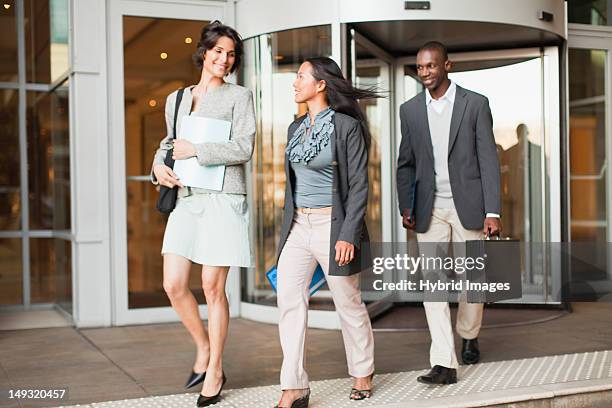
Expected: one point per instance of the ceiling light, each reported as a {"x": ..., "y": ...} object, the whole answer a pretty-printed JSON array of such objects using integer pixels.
[
  {"x": 152, "y": 103},
  {"x": 163, "y": 55},
  {"x": 188, "y": 40},
  {"x": 7, "y": 6}
]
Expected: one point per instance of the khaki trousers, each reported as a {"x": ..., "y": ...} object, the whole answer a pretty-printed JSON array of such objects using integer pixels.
[
  {"x": 446, "y": 227},
  {"x": 308, "y": 244}
]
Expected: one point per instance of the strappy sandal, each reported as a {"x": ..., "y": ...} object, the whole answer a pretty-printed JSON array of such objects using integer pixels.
[{"x": 358, "y": 395}]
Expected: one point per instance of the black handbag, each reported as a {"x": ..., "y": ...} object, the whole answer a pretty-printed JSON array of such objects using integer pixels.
[{"x": 167, "y": 196}]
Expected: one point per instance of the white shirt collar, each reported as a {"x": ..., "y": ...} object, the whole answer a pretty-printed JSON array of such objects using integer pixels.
[{"x": 449, "y": 95}]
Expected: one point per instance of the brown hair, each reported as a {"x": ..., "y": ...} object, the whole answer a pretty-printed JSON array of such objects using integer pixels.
[{"x": 209, "y": 37}]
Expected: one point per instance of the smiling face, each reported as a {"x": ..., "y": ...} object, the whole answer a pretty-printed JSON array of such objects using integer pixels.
[
  {"x": 218, "y": 60},
  {"x": 306, "y": 86},
  {"x": 432, "y": 69}
]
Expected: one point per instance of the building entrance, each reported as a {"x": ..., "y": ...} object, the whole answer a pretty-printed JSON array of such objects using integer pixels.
[{"x": 522, "y": 85}]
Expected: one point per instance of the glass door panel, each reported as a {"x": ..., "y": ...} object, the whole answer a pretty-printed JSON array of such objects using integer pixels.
[
  {"x": 157, "y": 61},
  {"x": 372, "y": 67},
  {"x": 270, "y": 66},
  {"x": 515, "y": 89},
  {"x": 373, "y": 72}
]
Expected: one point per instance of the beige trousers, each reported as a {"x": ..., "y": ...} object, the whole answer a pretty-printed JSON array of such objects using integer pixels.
[
  {"x": 446, "y": 227},
  {"x": 308, "y": 244}
]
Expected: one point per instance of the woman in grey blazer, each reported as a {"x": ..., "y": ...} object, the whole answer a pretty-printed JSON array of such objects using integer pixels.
[
  {"x": 208, "y": 227},
  {"x": 326, "y": 194}
]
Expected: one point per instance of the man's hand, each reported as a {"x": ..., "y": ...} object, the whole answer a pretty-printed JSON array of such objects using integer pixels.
[
  {"x": 492, "y": 226},
  {"x": 183, "y": 149},
  {"x": 345, "y": 252},
  {"x": 166, "y": 177},
  {"x": 408, "y": 222}
]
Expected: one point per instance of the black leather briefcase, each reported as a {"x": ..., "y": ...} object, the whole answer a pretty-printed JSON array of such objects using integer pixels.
[{"x": 501, "y": 277}]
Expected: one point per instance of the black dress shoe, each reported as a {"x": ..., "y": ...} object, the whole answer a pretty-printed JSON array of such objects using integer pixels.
[
  {"x": 470, "y": 354},
  {"x": 204, "y": 401},
  {"x": 301, "y": 402},
  {"x": 195, "y": 379},
  {"x": 439, "y": 375}
]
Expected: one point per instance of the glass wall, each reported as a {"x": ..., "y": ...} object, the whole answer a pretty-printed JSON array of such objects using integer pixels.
[
  {"x": 46, "y": 32},
  {"x": 8, "y": 43},
  {"x": 595, "y": 12},
  {"x": 11, "y": 271},
  {"x": 35, "y": 210},
  {"x": 49, "y": 161},
  {"x": 589, "y": 175},
  {"x": 157, "y": 61},
  {"x": 10, "y": 187},
  {"x": 588, "y": 164},
  {"x": 271, "y": 62},
  {"x": 50, "y": 270}
]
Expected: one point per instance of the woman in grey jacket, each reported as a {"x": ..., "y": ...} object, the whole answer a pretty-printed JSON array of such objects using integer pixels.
[
  {"x": 207, "y": 227},
  {"x": 324, "y": 222}
]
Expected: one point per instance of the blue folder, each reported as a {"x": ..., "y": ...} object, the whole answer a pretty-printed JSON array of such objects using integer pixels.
[{"x": 318, "y": 279}]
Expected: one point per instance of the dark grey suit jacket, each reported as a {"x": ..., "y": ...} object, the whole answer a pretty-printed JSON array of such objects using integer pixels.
[
  {"x": 473, "y": 166},
  {"x": 350, "y": 194}
]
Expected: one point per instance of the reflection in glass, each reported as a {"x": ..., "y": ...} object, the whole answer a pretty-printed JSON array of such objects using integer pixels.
[
  {"x": 51, "y": 271},
  {"x": 49, "y": 159},
  {"x": 8, "y": 42},
  {"x": 595, "y": 12},
  {"x": 46, "y": 29},
  {"x": 589, "y": 172},
  {"x": 10, "y": 200},
  {"x": 371, "y": 72},
  {"x": 515, "y": 94},
  {"x": 271, "y": 62},
  {"x": 588, "y": 165},
  {"x": 11, "y": 274},
  {"x": 148, "y": 80}
]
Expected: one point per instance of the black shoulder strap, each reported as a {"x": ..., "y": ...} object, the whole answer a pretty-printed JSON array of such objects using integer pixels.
[{"x": 179, "y": 98}]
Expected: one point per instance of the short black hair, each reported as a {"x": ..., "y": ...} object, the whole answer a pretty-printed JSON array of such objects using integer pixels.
[
  {"x": 435, "y": 46},
  {"x": 209, "y": 37}
]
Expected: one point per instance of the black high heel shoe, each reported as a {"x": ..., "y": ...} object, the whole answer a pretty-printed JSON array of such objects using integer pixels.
[
  {"x": 195, "y": 379},
  {"x": 204, "y": 401},
  {"x": 301, "y": 402}
]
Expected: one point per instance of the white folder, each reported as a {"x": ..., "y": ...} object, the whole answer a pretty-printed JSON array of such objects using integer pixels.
[{"x": 198, "y": 129}]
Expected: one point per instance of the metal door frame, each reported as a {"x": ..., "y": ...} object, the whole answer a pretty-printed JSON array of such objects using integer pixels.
[{"x": 188, "y": 10}]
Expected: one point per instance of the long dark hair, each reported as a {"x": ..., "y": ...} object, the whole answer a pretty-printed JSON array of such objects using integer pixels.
[{"x": 342, "y": 96}]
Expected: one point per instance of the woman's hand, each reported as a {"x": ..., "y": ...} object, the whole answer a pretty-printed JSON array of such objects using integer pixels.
[
  {"x": 345, "y": 252},
  {"x": 183, "y": 149},
  {"x": 166, "y": 177}
]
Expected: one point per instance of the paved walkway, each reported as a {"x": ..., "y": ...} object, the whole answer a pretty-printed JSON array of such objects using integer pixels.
[
  {"x": 486, "y": 384},
  {"x": 153, "y": 361}
]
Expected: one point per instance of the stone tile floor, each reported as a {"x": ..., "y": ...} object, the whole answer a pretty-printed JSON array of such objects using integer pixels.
[{"x": 125, "y": 363}]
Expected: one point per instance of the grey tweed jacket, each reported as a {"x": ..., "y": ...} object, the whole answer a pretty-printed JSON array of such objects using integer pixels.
[{"x": 229, "y": 102}]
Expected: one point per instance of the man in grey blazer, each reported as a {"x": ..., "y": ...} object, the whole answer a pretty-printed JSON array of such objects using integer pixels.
[{"x": 448, "y": 159}]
